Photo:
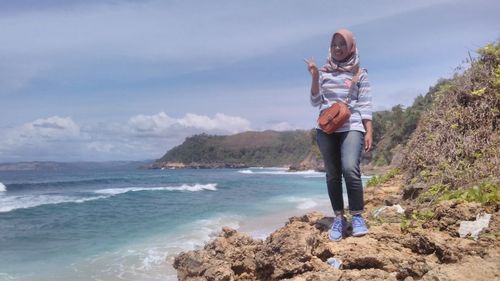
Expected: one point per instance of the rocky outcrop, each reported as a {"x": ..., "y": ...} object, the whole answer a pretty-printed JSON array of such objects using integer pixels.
[
  {"x": 195, "y": 165},
  {"x": 299, "y": 251},
  {"x": 313, "y": 161}
]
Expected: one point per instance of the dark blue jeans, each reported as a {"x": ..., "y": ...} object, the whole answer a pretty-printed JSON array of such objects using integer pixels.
[{"x": 342, "y": 155}]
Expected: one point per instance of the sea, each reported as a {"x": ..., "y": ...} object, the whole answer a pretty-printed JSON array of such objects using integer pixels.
[{"x": 129, "y": 224}]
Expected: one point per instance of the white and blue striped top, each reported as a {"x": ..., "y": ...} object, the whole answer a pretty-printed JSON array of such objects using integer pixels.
[{"x": 334, "y": 87}]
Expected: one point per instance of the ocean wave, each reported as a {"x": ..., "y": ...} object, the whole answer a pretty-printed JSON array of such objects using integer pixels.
[
  {"x": 197, "y": 233},
  {"x": 184, "y": 187},
  {"x": 307, "y": 173},
  {"x": 152, "y": 258},
  {"x": 11, "y": 203},
  {"x": 3, "y": 188},
  {"x": 269, "y": 168},
  {"x": 37, "y": 184},
  {"x": 302, "y": 203},
  {"x": 245, "y": 172},
  {"x": 319, "y": 175}
]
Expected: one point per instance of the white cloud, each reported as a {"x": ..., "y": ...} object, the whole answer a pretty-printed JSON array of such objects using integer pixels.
[
  {"x": 220, "y": 122},
  {"x": 282, "y": 126},
  {"x": 38, "y": 132},
  {"x": 161, "y": 125},
  {"x": 49, "y": 138},
  {"x": 156, "y": 124},
  {"x": 53, "y": 128},
  {"x": 142, "y": 137}
]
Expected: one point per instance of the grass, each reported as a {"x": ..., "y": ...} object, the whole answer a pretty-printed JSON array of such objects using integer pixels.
[
  {"x": 416, "y": 220},
  {"x": 377, "y": 180},
  {"x": 486, "y": 194}
]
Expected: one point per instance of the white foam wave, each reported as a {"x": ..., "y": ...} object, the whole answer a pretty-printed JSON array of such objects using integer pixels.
[
  {"x": 3, "y": 188},
  {"x": 201, "y": 231},
  {"x": 269, "y": 168},
  {"x": 319, "y": 175},
  {"x": 11, "y": 203},
  {"x": 303, "y": 203},
  {"x": 245, "y": 171},
  {"x": 152, "y": 259},
  {"x": 286, "y": 172},
  {"x": 184, "y": 187}
]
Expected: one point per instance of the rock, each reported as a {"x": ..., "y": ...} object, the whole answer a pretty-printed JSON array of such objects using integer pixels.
[
  {"x": 471, "y": 268},
  {"x": 368, "y": 275},
  {"x": 412, "y": 191},
  {"x": 222, "y": 272},
  {"x": 448, "y": 214},
  {"x": 299, "y": 251},
  {"x": 326, "y": 275},
  {"x": 230, "y": 254},
  {"x": 287, "y": 251},
  {"x": 389, "y": 213},
  {"x": 190, "y": 264},
  {"x": 420, "y": 244}
]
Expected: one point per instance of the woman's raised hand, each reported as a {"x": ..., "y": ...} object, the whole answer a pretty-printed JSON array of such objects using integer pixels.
[{"x": 311, "y": 67}]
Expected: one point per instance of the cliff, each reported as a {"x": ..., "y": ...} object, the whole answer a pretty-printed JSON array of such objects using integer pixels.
[
  {"x": 300, "y": 250},
  {"x": 457, "y": 142}
]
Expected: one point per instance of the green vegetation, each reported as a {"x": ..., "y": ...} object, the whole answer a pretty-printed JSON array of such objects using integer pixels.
[
  {"x": 267, "y": 148},
  {"x": 486, "y": 194},
  {"x": 416, "y": 219},
  {"x": 457, "y": 141},
  {"x": 377, "y": 180},
  {"x": 433, "y": 193},
  {"x": 394, "y": 127}
]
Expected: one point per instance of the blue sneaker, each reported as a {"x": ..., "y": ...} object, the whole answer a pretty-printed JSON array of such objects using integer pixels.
[
  {"x": 337, "y": 231},
  {"x": 358, "y": 226}
]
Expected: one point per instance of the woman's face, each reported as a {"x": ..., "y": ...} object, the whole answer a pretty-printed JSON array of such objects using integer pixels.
[{"x": 339, "y": 48}]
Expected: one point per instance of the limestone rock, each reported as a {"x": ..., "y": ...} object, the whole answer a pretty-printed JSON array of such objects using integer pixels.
[{"x": 300, "y": 249}]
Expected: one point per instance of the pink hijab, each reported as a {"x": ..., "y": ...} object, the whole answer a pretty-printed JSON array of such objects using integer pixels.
[{"x": 351, "y": 63}]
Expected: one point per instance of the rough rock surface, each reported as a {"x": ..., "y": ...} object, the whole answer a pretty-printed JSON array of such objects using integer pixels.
[{"x": 299, "y": 250}]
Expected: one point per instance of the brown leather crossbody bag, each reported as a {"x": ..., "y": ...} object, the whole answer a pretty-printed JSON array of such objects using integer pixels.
[{"x": 337, "y": 114}]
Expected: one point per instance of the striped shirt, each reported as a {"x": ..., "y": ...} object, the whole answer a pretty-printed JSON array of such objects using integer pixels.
[{"x": 334, "y": 87}]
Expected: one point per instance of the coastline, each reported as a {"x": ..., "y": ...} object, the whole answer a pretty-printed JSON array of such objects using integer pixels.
[{"x": 298, "y": 248}]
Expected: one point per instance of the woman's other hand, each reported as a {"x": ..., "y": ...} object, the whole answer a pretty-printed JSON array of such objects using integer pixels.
[
  {"x": 368, "y": 142},
  {"x": 368, "y": 135},
  {"x": 311, "y": 67}
]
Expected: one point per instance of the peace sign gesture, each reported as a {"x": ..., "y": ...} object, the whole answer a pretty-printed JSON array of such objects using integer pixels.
[{"x": 311, "y": 67}]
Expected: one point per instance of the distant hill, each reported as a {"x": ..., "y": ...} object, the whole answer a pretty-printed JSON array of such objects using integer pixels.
[
  {"x": 267, "y": 148},
  {"x": 63, "y": 166}
]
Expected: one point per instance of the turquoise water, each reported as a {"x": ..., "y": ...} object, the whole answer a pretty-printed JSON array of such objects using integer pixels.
[{"x": 128, "y": 224}]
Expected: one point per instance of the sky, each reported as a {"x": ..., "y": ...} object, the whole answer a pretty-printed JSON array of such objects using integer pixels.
[{"x": 101, "y": 80}]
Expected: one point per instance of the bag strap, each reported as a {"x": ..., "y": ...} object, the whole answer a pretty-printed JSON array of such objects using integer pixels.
[{"x": 354, "y": 81}]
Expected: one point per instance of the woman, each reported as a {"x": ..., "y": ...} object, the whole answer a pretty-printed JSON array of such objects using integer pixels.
[{"x": 342, "y": 149}]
